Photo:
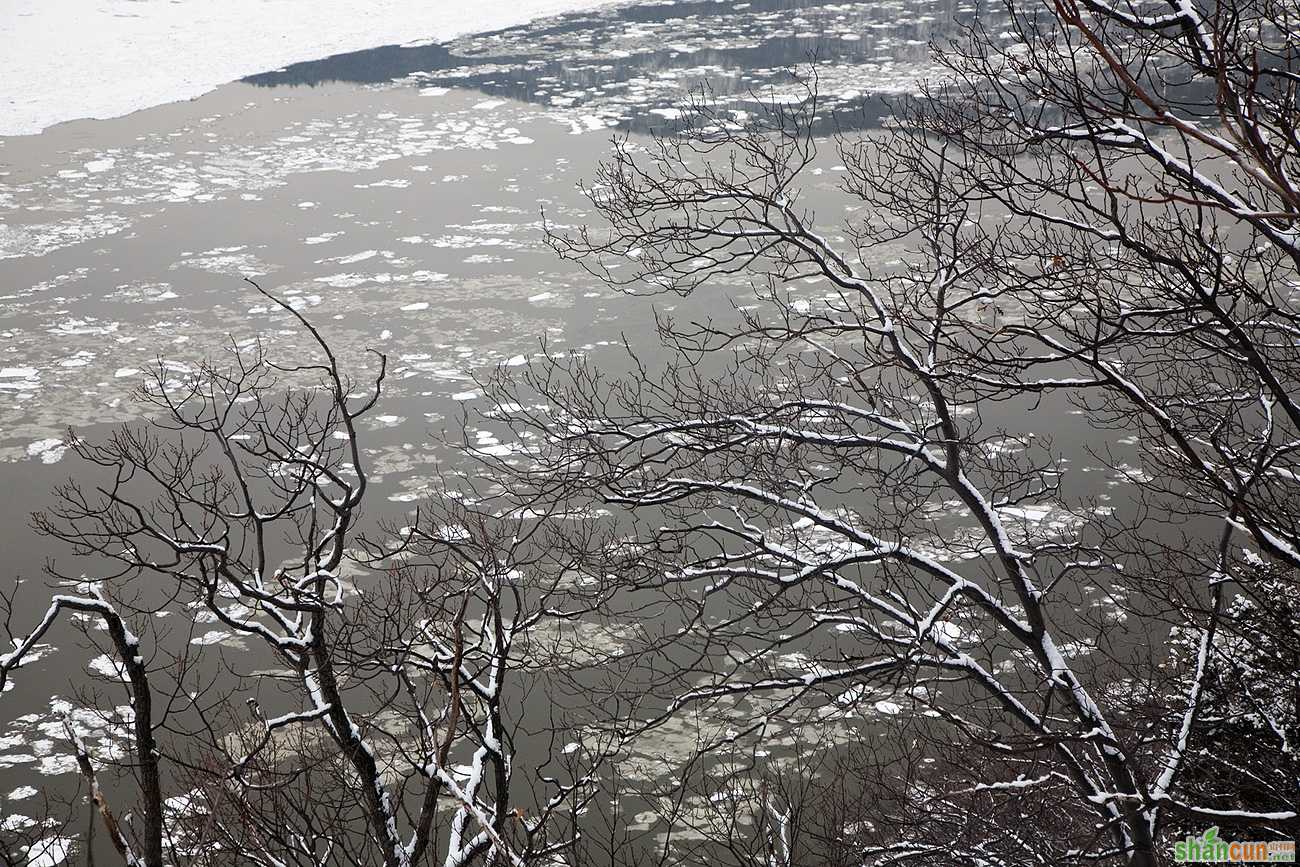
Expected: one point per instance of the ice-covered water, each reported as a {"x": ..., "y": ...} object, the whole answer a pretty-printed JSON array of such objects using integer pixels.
[
  {"x": 402, "y": 195},
  {"x": 394, "y": 194},
  {"x": 68, "y": 59}
]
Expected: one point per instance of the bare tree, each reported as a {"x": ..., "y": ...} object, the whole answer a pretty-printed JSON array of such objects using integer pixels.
[
  {"x": 812, "y": 581},
  {"x": 847, "y": 491},
  {"x": 373, "y": 714}
]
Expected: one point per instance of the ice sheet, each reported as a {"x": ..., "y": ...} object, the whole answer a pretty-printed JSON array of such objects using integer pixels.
[{"x": 68, "y": 59}]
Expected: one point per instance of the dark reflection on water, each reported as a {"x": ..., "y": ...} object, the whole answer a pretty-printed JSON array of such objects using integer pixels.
[
  {"x": 371, "y": 66},
  {"x": 387, "y": 62},
  {"x": 642, "y": 58}
]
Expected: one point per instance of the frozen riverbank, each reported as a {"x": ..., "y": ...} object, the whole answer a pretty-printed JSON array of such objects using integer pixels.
[{"x": 69, "y": 59}]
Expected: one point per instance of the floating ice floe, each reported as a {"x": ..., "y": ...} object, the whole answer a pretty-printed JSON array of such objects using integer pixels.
[
  {"x": 50, "y": 451},
  {"x": 39, "y": 239},
  {"x": 356, "y": 257},
  {"x": 221, "y": 637},
  {"x": 49, "y": 851},
  {"x": 322, "y": 238}
]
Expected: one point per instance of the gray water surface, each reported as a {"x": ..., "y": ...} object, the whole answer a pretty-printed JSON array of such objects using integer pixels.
[{"x": 395, "y": 197}]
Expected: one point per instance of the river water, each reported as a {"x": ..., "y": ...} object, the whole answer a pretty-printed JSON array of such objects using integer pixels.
[{"x": 395, "y": 196}]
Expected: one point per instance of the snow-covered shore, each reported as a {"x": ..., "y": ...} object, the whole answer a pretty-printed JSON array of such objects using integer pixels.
[{"x": 68, "y": 59}]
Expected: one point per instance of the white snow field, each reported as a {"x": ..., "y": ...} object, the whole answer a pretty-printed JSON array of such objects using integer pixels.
[{"x": 67, "y": 59}]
